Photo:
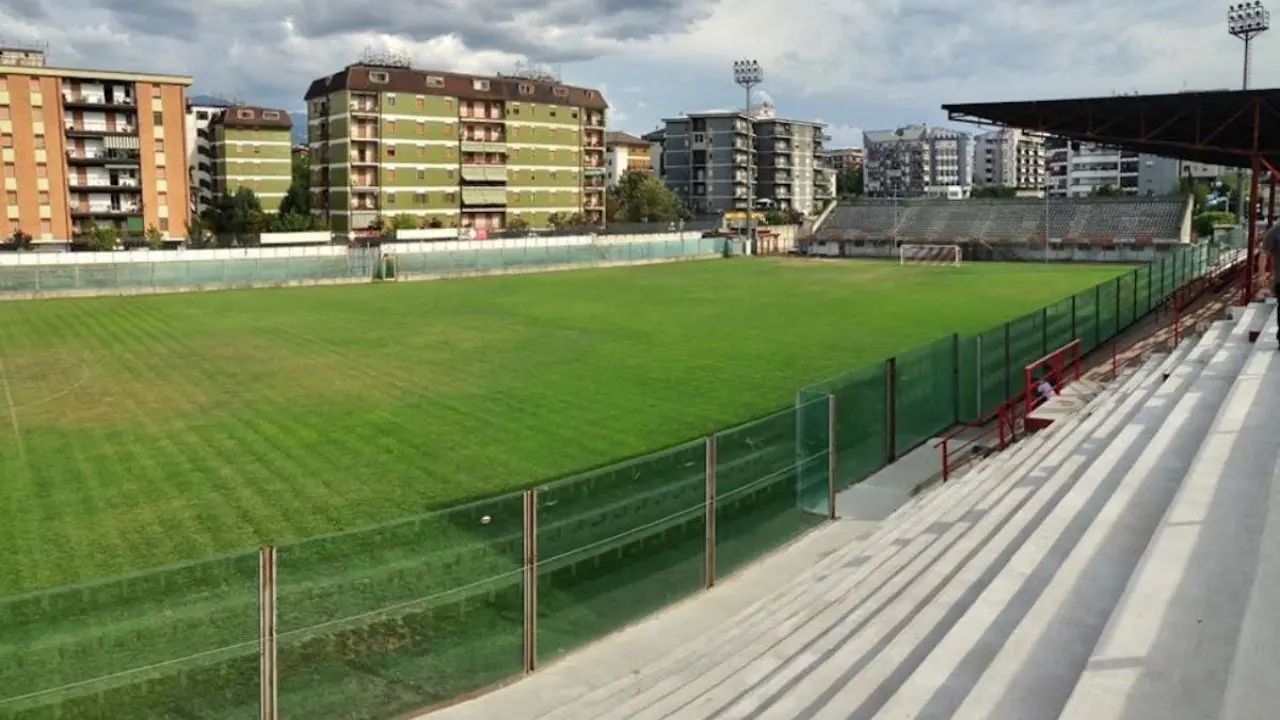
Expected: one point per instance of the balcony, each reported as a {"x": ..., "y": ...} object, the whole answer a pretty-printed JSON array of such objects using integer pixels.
[
  {"x": 594, "y": 120},
  {"x": 493, "y": 144},
  {"x": 88, "y": 129},
  {"x": 479, "y": 115},
  {"x": 593, "y": 171},
  {"x": 364, "y": 135},
  {"x": 364, "y": 159},
  {"x": 483, "y": 173},
  {"x": 593, "y": 183},
  {"x": 364, "y": 184},
  {"x": 98, "y": 102},
  {"x": 364, "y": 108},
  {"x": 120, "y": 185},
  {"x": 484, "y": 197},
  {"x": 110, "y": 157},
  {"x": 106, "y": 211}
]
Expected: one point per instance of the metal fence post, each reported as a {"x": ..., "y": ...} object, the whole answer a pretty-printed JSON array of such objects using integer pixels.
[
  {"x": 1044, "y": 331},
  {"x": 530, "y": 580},
  {"x": 709, "y": 555},
  {"x": 268, "y": 677},
  {"x": 1008, "y": 364},
  {"x": 955, "y": 377},
  {"x": 832, "y": 465},
  {"x": 891, "y": 410},
  {"x": 1118, "y": 306},
  {"x": 1075, "y": 334},
  {"x": 1135, "y": 296},
  {"x": 1097, "y": 314}
]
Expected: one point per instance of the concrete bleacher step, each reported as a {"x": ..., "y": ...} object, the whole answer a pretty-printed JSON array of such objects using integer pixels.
[
  {"x": 679, "y": 680},
  {"x": 1015, "y": 653},
  {"x": 780, "y": 680},
  {"x": 876, "y": 662},
  {"x": 1195, "y": 633}
]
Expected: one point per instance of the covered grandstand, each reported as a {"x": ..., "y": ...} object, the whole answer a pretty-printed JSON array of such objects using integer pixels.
[{"x": 1077, "y": 228}]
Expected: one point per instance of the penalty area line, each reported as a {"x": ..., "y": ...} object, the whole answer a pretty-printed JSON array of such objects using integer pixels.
[{"x": 11, "y": 410}]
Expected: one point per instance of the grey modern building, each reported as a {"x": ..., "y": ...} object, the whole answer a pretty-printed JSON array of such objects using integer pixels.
[
  {"x": 1079, "y": 169},
  {"x": 917, "y": 161},
  {"x": 714, "y": 161}
]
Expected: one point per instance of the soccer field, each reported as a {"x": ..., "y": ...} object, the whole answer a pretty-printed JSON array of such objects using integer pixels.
[{"x": 141, "y": 431}]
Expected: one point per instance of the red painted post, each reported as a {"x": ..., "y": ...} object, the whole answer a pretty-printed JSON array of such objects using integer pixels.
[
  {"x": 1000, "y": 414},
  {"x": 1114, "y": 371},
  {"x": 946, "y": 467}
]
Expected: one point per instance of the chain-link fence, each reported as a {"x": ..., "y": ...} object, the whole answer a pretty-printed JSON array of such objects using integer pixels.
[
  {"x": 473, "y": 258},
  {"x": 387, "y": 620}
]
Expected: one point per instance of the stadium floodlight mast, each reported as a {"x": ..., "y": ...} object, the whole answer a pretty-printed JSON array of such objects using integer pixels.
[
  {"x": 1246, "y": 21},
  {"x": 748, "y": 74}
]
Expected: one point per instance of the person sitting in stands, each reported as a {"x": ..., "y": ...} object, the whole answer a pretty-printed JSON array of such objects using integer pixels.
[
  {"x": 1046, "y": 389},
  {"x": 1271, "y": 243}
]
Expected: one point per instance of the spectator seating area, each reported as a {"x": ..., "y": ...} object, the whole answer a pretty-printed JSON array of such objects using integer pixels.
[
  {"x": 1122, "y": 563},
  {"x": 1143, "y": 220}
]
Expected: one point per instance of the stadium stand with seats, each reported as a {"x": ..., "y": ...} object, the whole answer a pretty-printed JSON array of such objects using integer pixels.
[{"x": 1123, "y": 563}]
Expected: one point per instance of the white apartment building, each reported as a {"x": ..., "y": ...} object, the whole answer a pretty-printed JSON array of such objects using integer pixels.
[
  {"x": 623, "y": 152},
  {"x": 200, "y": 155},
  {"x": 917, "y": 161},
  {"x": 1079, "y": 169},
  {"x": 1010, "y": 158}
]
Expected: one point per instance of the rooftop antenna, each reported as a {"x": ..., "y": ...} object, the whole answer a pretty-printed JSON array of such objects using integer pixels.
[{"x": 533, "y": 71}]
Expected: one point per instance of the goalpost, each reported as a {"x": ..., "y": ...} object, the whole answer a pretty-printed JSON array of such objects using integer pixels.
[{"x": 909, "y": 254}]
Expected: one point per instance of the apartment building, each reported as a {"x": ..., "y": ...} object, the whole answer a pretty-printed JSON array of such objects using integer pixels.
[
  {"x": 624, "y": 152},
  {"x": 917, "y": 161},
  {"x": 90, "y": 148},
  {"x": 252, "y": 148},
  {"x": 1010, "y": 158},
  {"x": 1079, "y": 169},
  {"x": 842, "y": 159},
  {"x": 200, "y": 154},
  {"x": 714, "y": 160},
  {"x": 389, "y": 140}
]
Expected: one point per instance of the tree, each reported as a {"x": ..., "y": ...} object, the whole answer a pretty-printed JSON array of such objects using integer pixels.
[
  {"x": 642, "y": 198},
  {"x": 199, "y": 237},
  {"x": 994, "y": 191},
  {"x": 297, "y": 201},
  {"x": 849, "y": 183},
  {"x": 236, "y": 214},
  {"x": 435, "y": 222},
  {"x": 103, "y": 239},
  {"x": 517, "y": 224},
  {"x": 404, "y": 222},
  {"x": 1205, "y": 222},
  {"x": 784, "y": 216},
  {"x": 155, "y": 238},
  {"x": 18, "y": 241},
  {"x": 290, "y": 222}
]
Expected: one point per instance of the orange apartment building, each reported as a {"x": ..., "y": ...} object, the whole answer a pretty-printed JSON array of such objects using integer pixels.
[
  {"x": 89, "y": 148},
  {"x": 625, "y": 152}
]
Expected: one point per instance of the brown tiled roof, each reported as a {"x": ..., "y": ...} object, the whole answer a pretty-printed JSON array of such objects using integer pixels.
[
  {"x": 621, "y": 138},
  {"x": 243, "y": 116},
  {"x": 410, "y": 81}
]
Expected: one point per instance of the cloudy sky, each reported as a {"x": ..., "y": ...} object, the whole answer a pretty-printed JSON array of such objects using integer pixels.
[{"x": 851, "y": 63}]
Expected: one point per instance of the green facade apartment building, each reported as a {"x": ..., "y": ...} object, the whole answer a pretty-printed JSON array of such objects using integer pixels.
[
  {"x": 252, "y": 148},
  {"x": 452, "y": 150}
]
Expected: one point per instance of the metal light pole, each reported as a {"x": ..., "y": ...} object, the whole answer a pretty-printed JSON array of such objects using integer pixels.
[
  {"x": 1246, "y": 21},
  {"x": 748, "y": 74}
]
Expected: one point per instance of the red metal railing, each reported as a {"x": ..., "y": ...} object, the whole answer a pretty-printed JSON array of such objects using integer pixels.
[
  {"x": 1005, "y": 431},
  {"x": 1068, "y": 356}
]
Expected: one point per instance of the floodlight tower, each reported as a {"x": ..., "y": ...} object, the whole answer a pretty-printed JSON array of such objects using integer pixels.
[
  {"x": 748, "y": 74},
  {"x": 1246, "y": 21}
]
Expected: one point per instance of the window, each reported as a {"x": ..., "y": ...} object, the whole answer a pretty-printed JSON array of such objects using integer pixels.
[
  {"x": 420, "y": 102},
  {"x": 450, "y": 197},
  {"x": 242, "y": 113},
  {"x": 553, "y": 112},
  {"x": 162, "y": 198},
  {"x": 391, "y": 175},
  {"x": 42, "y": 170},
  {"x": 257, "y": 150},
  {"x": 40, "y": 142},
  {"x": 155, "y": 91},
  {"x": 391, "y": 127},
  {"x": 202, "y": 115},
  {"x": 11, "y": 198},
  {"x": 46, "y": 227},
  {"x": 574, "y": 113},
  {"x": 270, "y": 115},
  {"x": 164, "y": 224},
  {"x": 420, "y": 198},
  {"x": 513, "y": 109},
  {"x": 422, "y": 151},
  {"x": 380, "y": 77},
  {"x": 526, "y": 89},
  {"x": 160, "y": 172},
  {"x": 449, "y": 173},
  {"x": 448, "y": 153},
  {"x": 560, "y": 92},
  {"x": 422, "y": 173},
  {"x": 391, "y": 151},
  {"x": 435, "y": 81},
  {"x": 479, "y": 84},
  {"x": 4, "y": 83},
  {"x": 422, "y": 128},
  {"x": 42, "y": 197},
  {"x": 591, "y": 94},
  {"x": 391, "y": 198},
  {"x": 37, "y": 114},
  {"x": 157, "y": 117},
  {"x": 552, "y": 155},
  {"x": 159, "y": 145},
  {"x": 34, "y": 84},
  {"x": 6, "y": 141},
  {"x": 448, "y": 104},
  {"x": 10, "y": 170}
]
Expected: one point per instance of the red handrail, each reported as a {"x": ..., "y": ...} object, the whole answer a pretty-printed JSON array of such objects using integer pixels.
[
  {"x": 1006, "y": 426},
  {"x": 1056, "y": 358}
]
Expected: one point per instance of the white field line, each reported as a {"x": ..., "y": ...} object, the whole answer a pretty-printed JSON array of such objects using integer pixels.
[{"x": 11, "y": 410}]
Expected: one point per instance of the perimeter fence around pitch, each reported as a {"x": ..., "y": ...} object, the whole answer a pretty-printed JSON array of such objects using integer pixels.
[
  {"x": 391, "y": 619},
  {"x": 144, "y": 271}
]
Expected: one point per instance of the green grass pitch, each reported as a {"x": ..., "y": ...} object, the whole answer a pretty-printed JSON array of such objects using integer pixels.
[{"x": 142, "y": 431}]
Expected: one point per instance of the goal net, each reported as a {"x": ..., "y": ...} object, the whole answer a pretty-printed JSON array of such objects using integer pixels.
[{"x": 930, "y": 255}]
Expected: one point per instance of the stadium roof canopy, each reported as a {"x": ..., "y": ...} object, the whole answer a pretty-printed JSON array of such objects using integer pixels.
[{"x": 1222, "y": 127}]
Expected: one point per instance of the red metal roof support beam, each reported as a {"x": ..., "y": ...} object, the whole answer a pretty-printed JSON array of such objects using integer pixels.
[{"x": 1251, "y": 267}]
